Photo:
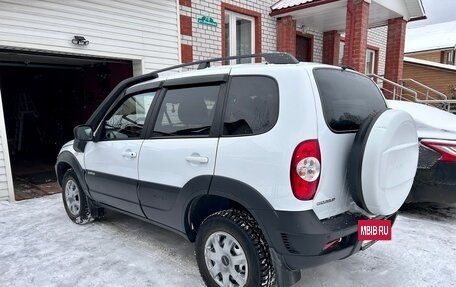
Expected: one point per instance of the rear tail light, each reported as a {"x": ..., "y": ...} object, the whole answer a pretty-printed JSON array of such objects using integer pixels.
[
  {"x": 305, "y": 170},
  {"x": 446, "y": 148}
]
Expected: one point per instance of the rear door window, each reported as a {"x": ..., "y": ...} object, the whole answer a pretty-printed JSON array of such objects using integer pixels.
[
  {"x": 252, "y": 106},
  {"x": 347, "y": 98}
]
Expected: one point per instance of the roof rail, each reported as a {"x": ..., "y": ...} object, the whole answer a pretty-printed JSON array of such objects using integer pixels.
[{"x": 271, "y": 58}]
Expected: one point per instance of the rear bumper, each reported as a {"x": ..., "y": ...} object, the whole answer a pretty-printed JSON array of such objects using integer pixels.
[
  {"x": 435, "y": 184},
  {"x": 298, "y": 238}
]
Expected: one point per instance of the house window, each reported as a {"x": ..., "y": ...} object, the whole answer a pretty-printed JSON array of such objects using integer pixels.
[
  {"x": 370, "y": 62},
  {"x": 239, "y": 35},
  {"x": 448, "y": 57}
]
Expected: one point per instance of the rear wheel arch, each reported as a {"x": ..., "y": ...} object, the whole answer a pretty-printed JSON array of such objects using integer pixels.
[{"x": 225, "y": 193}]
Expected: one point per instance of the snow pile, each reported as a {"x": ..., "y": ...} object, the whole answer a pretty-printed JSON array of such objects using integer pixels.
[{"x": 40, "y": 246}]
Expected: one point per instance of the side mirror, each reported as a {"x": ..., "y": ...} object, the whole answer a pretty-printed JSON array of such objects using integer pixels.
[{"x": 82, "y": 135}]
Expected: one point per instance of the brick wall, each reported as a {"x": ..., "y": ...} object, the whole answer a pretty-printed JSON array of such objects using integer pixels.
[
  {"x": 395, "y": 49},
  {"x": 356, "y": 34},
  {"x": 441, "y": 80},
  {"x": 433, "y": 56},
  {"x": 286, "y": 35},
  {"x": 377, "y": 37},
  {"x": 206, "y": 41}
]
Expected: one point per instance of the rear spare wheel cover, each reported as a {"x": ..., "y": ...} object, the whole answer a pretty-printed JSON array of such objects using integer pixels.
[{"x": 383, "y": 162}]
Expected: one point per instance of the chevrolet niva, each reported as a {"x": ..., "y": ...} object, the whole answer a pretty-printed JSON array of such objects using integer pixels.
[{"x": 267, "y": 166}]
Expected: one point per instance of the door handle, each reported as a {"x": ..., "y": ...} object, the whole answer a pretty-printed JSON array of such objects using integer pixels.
[
  {"x": 129, "y": 154},
  {"x": 197, "y": 159}
]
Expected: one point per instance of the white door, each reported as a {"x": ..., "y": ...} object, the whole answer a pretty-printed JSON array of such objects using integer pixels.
[
  {"x": 181, "y": 149},
  {"x": 112, "y": 162}
]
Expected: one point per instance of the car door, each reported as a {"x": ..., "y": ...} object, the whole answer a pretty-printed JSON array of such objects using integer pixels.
[
  {"x": 112, "y": 161},
  {"x": 180, "y": 152}
]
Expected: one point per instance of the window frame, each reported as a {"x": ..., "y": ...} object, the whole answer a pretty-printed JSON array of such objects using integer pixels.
[
  {"x": 375, "y": 51},
  {"x": 448, "y": 54},
  {"x": 230, "y": 8},
  {"x": 233, "y": 16}
]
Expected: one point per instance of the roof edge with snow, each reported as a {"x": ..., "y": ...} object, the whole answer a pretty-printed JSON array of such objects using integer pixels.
[{"x": 430, "y": 64}]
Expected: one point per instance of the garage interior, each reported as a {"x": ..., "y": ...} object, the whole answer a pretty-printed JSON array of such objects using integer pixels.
[{"x": 44, "y": 97}]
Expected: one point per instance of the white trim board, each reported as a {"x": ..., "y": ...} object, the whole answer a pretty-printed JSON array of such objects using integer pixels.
[{"x": 6, "y": 158}]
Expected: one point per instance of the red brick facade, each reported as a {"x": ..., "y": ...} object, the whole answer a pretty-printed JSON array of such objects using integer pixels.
[
  {"x": 186, "y": 25},
  {"x": 331, "y": 43},
  {"x": 286, "y": 35},
  {"x": 395, "y": 49},
  {"x": 356, "y": 34},
  {"x": 187, "y": 3},
  {"x": 186, "y": 53}
]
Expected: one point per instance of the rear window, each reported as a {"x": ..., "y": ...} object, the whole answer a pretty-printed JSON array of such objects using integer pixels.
[{"x": 347, "y": 98}]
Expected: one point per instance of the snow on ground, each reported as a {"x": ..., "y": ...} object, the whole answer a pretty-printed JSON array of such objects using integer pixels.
[{"x": 40, "y": 246}]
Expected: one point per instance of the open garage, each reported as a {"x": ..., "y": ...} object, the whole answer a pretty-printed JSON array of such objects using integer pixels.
[{"x": 44, "y": 96}]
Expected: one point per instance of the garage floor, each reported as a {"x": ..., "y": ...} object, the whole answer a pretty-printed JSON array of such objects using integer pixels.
[
  {"x": 34, "y": 180},
  {"x": 40, "y": 246}
]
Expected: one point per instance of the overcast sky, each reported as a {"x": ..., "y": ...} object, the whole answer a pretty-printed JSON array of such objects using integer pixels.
[{"x": 437, "y": 11}]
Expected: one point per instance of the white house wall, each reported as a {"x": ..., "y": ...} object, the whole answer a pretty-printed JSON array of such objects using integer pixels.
[{"x": 141, "y": 30}]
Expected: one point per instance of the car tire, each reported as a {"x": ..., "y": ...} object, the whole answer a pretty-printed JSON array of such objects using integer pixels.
[
  {"x": 245, "y": 261},
  {"x": 75, "y": 200}
]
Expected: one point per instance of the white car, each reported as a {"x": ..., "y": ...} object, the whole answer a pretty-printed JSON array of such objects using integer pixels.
[
  {"x": 435, "y": 180},
  {"x": 267, "y": 167}
]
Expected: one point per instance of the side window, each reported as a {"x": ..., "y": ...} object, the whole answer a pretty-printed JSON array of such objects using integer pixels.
[
  {"x": 252, "y": 106},
  {"x": 128, "y": 119},
  {"x": 187, "y": 111}
]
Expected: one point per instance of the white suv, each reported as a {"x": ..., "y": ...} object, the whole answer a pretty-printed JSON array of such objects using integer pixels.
[{"x": 266, "y": 166}]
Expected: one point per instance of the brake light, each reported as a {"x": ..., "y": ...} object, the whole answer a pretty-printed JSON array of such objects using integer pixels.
[
  {"x": 446, "y": 148},
  {"x": 305, "y": 169}
]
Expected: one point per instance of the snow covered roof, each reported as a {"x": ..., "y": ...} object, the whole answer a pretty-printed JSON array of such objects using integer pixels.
[
  {"x": 289, "y": 3},
  {"x": 429, "y": 63},
  {"x": 431, "y": 37}
]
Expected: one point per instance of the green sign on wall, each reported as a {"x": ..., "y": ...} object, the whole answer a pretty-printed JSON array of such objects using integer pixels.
[{"x": 206, "y": 20}]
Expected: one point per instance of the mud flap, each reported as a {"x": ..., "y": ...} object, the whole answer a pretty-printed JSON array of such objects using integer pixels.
[{"x": 284, "y": 276}]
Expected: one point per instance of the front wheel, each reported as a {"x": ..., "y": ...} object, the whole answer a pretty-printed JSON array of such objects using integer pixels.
[
  {"x": 231, "y": 251},
  {"x": 74, "y": 199}
]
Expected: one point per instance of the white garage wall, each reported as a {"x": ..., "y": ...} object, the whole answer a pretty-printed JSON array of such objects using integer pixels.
[
  {"x": 6, "y": 180},
  {"x": 142, "y": 30}
]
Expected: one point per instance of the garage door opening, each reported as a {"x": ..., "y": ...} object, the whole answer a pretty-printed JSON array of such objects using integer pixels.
[{"x": 44, "y": 96}]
